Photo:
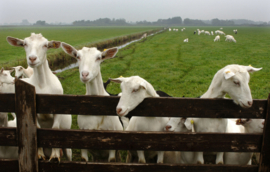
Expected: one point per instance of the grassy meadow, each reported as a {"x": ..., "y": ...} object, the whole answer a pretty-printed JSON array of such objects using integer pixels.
[{"x": 74, "y": 35}]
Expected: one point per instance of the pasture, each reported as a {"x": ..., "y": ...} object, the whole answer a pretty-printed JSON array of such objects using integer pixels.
[
  {"x": 183, "y": 69},
  {"x": 75, "y": 35}
]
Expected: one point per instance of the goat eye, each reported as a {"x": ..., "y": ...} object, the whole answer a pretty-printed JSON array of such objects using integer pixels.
[
  {"x": 78, "y": 57},
  {"x": 135, "y": 90},
  {"x": 45, "y": 46},
  {"x": 236, "y": 83},
  {"x": 25, "y": 44}
]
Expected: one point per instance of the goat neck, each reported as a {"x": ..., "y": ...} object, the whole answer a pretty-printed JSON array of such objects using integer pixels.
[
  {"x": 214, "y": 90},
  {"x": 42, "y": 75},
  {"x": 95, "y": 86}
]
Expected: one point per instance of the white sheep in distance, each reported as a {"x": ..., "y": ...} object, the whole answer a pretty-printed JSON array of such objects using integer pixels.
[
  {"x": 230, "y": 38},
  {"x": 199, "y": 32},
  {"x": 186, "y": 40},
  {"x": 232, "y": 80},
  {"x": 170, "y": 29},
  {"x": 217, "y": 38},
  {"x": 220, "y": 32},
  {"x": 134, "y": 90},
  {"x": 182, "y": 30},
  {"x": 212, "y": 33},
  {"x": 202, "y": 31},
  {"x": 176, "y": 30},
  {"x": 45, "y": 82},
  {"x": 21, "y": 71},
  {"x": 250, "y": 126},
  {"x": 89, "y": 60},
  {"x": 206, "y": 32}
]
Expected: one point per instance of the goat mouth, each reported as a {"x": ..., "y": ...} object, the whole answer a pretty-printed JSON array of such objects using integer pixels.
[
  {"x": 123, "y": 114},
  {"x": 243, "y": 105}
]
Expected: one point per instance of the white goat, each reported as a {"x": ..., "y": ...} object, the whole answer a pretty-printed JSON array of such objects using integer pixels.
[
  {"x": 134, "y": 90},
  {"x": 176, "y": 30},
  {"x": 89, "y": 60},
  {"x": 202, "y": 31},
  {"x": 220, "y": 32},
  {"x": 206, "y": 32},
  {"x": 232, "y": 80},
  {"x": 199, "y": 32},
  {"x": 21, "y": 71},
  {"x": 170, "y": 29},
  {"x": 182, "y": 30},
  {"x": 217, "y": 38},
  {"x": 212, "y": 33},
  {"x": 7, "y": 86},
  {"x": 235, "y": 31},
  {"x": 45, "y": 82},
  {"x": 230, "y": 38},
  {"x": 186, "y": 40},
  {"x": 250, "y": 126}
]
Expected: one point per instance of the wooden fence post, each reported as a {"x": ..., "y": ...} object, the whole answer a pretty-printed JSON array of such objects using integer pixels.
[
  {"x": 264, "y": 165},
  {"x": 26, "y": 126}
]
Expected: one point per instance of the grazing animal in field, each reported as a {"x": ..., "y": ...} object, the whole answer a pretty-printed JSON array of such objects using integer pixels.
[
  {"x": 194, "y": 32},
  {"x": 134, "y": 90},
  {"x": 186, "y": 40},
  {"x": 230, "y": 38},
  {"x": 45, "y": 82},
  {"x": 217, "y": 38},
  {"x": 89, "y": 60}
]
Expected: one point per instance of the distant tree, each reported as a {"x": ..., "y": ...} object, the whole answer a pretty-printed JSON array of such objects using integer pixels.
[
  {"x": 25, "y": 22},
  {"x": 215, "y": 22},
  {"x": 41, "y": 23}
]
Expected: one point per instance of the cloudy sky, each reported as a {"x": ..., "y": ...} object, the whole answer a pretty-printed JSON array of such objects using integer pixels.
[{"x": 12, "y": 11}]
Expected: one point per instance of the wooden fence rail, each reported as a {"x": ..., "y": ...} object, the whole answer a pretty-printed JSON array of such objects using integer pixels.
[{"x": 27, "y": 137}]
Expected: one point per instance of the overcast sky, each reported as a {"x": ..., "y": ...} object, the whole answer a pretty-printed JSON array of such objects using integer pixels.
[{"x": 12, "y": 11}]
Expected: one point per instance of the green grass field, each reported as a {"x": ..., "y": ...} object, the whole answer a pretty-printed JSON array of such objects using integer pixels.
[
  {"x": 74, "y": 35},
  {"x": 184, "y": 69}
]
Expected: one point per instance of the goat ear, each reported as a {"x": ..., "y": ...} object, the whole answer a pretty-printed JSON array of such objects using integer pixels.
[
  {"x": 228, "y": 73},
  {"x": 12, "y": 70},
  {"x": 2, "y": 70},
  {"x": 251, "y": 69},
  {"x": 188, "y": 123},
  {"x": 15, "y": 41},
  {"x": 69, "y": 49},
  {"x": 117, "y": 80},
  {"x": 149, "y": 89},
  {"x": 54, "y": 44},
  {"x": 109, "y": 53}
]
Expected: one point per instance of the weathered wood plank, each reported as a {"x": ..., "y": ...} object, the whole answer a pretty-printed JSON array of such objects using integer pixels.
[
  {"x": 121, "y": 167},
  {"x": 265, "y": 151},
  {"x": 123, "y": 140},
  {"x": 7, "y": 102},
  {"x": 8, "y": 137},
  {"x": 174, "y": 107},
  {"x": 26, "y": 126},
  {"x": 9, "y": 165}
]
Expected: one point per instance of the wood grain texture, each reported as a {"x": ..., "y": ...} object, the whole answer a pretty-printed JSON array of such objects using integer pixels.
[
  {"x": 170, "y": 141},
  {"x": 160, "y": 107},
  {"x": 8, "y": 137},
  {"x": 26, "y": 126},
  {"x": 265, "y": 151},
  {"x": 135, "y": 167}
]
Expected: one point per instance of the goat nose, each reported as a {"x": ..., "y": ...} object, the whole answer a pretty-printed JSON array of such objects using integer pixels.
[
  {"x": 85, "y": 74},
  {"x": 32, "y": 58},
  {"x": 118, "y": 110},
  {"x": 168, "y": 127},
  {"x": 250, "y": 103}
]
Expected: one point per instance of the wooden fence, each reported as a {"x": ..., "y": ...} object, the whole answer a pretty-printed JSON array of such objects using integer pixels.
[{"x": 28, "y": 137}]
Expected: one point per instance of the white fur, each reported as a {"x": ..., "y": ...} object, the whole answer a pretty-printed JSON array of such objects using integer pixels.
[
  {"x": 134, "y": 90},
  {"x": 217, "y": 38},
  {"x": 89, "y": 60},
  {"x": 207, "y": 33},
  {"x": 212, "y": 33},
  {"x": 230, "y": 38},
  {"x": 21, "y": 71},
  {"x": 45, "y": 82},
  {"x": 186, "y": 40},
  {"x": 144, "y": 36}
]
